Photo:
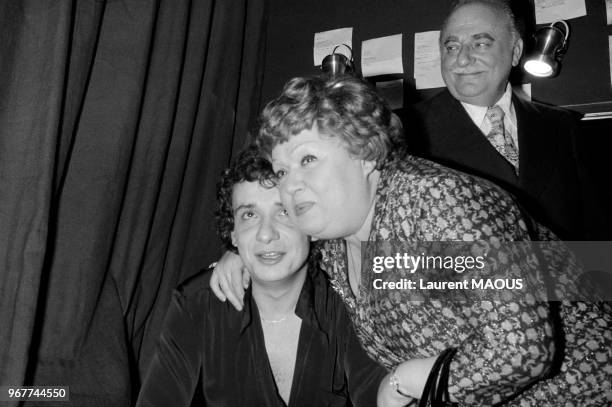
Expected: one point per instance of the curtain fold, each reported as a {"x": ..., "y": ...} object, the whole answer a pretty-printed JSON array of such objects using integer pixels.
[
  {"x": 116, "y": 120},
  {"x": 31, "y": 95}
]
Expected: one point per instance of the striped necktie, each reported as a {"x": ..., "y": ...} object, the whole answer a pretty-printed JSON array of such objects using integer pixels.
[{"x": 499, "y": 137}]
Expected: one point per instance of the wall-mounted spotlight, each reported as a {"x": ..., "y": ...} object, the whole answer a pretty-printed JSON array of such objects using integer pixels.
[
  {"x": 338, "y": 64},
  {"x": 550, "y": 46}
]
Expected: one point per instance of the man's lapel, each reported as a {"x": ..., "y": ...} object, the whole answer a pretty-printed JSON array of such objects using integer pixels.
[
  {"x": 471, "y": 149},
  {"x": 461, "y": 134}
]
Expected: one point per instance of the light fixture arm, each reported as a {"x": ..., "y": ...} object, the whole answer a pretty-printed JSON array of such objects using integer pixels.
[
  {"x": 350, "y": 58},
  {"x": 566, "y": 32}
]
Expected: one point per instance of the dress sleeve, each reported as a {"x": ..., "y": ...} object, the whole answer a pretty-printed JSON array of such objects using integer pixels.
[
  {"x": 510, "y": 343},
  {"x": 363, "y": 374},
  {"x": 173, "y": 374}
]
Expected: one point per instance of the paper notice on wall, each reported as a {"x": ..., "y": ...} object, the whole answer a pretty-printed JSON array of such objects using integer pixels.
[
  {"x": 382, "y": 56},
  {"x": 392, "y": 92},
  {"x": 548, "y": 11},
  {"x": 609, "y": 12},
  {"x": 326, "y": 41},
  {"x": 427, "y": 60}
]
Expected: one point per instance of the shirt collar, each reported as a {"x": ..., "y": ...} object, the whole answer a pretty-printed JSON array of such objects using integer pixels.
[
  {"x": 305, "y": 307},
  {"x": 477, "y": 113}
]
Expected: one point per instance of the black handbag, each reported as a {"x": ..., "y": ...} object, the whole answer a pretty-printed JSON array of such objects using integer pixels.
[{"x": 436, "y": 386}]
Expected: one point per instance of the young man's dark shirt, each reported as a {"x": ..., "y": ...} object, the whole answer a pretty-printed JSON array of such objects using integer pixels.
[{"x": 207, "y": 342}]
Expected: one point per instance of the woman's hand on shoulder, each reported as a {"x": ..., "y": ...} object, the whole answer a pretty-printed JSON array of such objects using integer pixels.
[{"x": 229, "y": 280}]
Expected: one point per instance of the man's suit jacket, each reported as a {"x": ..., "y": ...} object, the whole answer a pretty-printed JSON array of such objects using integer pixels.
[{"x": 549, "y": 181}]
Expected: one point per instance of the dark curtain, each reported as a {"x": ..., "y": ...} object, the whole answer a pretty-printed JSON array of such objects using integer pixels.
[{"x": 116, "y": 118}]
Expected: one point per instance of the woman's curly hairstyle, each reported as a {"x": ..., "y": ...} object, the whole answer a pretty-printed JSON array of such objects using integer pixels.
[
  {"x": 250, "y": 166},
  {"x": 345, "y": 107}
]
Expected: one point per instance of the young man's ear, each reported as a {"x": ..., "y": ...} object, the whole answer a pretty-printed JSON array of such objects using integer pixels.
[{"x": 233, "y": 236}]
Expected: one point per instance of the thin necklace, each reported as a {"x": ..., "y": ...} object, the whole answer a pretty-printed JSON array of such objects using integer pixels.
[
  {"x": 278, "y": 321},
  {"x": 273, "y": 321}
]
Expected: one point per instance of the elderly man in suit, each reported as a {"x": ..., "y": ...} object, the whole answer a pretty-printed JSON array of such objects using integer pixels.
[{"x": 478, "y": 125}]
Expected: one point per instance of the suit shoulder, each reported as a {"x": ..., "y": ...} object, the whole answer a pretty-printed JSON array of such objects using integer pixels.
[
  {"x": 552, "y": 112},
  {"x": 440, "y": 100}
]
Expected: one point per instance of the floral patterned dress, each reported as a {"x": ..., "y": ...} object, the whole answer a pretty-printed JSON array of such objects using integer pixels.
[{"x": 510, "y": 352}]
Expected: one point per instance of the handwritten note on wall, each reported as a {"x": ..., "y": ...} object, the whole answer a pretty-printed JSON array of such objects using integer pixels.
[
  {"x": 381, "y": 56},
  {"x": 427, "y": 60},
  {"x": 548, "y": 11}
]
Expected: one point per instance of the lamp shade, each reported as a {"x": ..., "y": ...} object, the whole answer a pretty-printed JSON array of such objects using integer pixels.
[
  {"x": 542, "y": 66},
  {"x": 338, "y": 64},
  {"x": 335, "y": 64},
  {"x": 550, "y": 45}
]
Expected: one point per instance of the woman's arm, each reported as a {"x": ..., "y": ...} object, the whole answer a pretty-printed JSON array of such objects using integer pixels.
[
  {"x": 497, "y": 361},
  {"x": 229, "y": 280},
  {"x": 408, "y": 384},
  {"x": 404, "y": 386},
  {"x": 511, "y": 343}
]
